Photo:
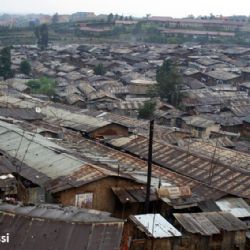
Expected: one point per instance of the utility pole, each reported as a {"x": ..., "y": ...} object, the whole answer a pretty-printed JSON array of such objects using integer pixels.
[{"x": 150, "y": 150}]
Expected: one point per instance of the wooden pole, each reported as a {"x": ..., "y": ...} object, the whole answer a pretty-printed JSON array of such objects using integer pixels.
[{"x": 150, "y": 150}]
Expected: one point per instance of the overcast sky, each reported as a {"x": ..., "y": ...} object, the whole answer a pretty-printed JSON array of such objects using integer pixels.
[{"x": 175, "y": 8}]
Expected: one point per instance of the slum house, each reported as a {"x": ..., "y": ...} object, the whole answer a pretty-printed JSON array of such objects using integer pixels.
[
  {"x": 98, "y": 188},
  {"x": 57, "y": 114},
  {"x": 199, "y": 127},
  {"x": 215, "y": 100},
  {"x": 240, "y": 107},
  {"x": 167, "y": 115},
  {"x": 212, "y": 230},
  {"x": 234, "y": 205},
  {"x": 213, "y": 174},
  {"x": 127, "y": 108},
  {"x": 193, "y": 83},
  {"x": 19, "y": 85},
  {"x": 20, "y": 114},
  {"x": 245, "y": 73},
  {"x": 53, "y": 227},
  {"x": 100, "y": 100},
  {"x": 242, "y": 146},
  {"x": 221, "y": 77},
  {"x": 149, "y": 231},
  {"x": 62, "y": 177},
  {"x": 26, "y": 103},
  {"x": 140, "y": 87},
  {"x": 193, "y": 72},
  {"x": 85, "y": 88},
  {"x": 245, "y": 86},
  {"x": 246, "y": 127},
  {"x": 234, "y": 51},
  {"x": 227, "y": 121},
  {"x": 132, "y": 199}
]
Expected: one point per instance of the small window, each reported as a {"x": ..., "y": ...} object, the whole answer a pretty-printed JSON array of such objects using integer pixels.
[{"x": 84, "y": 200}]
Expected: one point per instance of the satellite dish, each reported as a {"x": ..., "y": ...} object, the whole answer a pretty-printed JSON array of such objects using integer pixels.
[{"x": 38, "y": 110}]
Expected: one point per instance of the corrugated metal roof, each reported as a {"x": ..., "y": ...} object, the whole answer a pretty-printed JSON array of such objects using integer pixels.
[
  {"x": 236, "y": 206},
  {"x": 54, "y": 114},
  {"x": 198, "y": 121},
  {"x": 226, "y": 178},
  {"x": 221, "y": 155},
  {"x": 65, "y": 170},
  {"x": 20, "y": 113},
  {"x": 137, "y": 168},
  {"x": 133, "y": 194},
  {"x": 54, "y": 228},
  {"x": 154, "y": 225},
  {"x": 210, "y": 223}
]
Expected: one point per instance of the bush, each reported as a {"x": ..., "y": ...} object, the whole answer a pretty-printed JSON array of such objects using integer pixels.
[{"x": 44, "y": 85}]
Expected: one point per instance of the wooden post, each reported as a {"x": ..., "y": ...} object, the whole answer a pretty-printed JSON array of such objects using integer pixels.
[{"x": 150, "y": 150}]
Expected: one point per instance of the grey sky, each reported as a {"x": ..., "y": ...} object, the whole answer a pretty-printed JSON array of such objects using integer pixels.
[{"x": 175, "y": 8}]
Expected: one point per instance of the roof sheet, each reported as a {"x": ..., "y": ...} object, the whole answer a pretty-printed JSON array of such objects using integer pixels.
[
  {"x": 133, "y": 194},
  {"x": 125, "y": 163},
  {"x": 236, "y": 206},
  {"x": 229, "y": 157},
  {"x": 222, "y": 75},
  {"x": 31, "y": 150},
  {"x": 226, "y": 178},
  {"x": 154, "y": 225},
  {"x": 51, "y": 228},
  {"x": 54, "y": 114},
  {"x": 210, "y": 223}
]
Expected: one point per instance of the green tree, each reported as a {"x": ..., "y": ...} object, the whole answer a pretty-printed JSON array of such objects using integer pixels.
[
  {"x": 44, "y": 85},
  {"x": 116, "y": 17},
  {"x": 147, "y": 110},
  {"x": 168, "y": 83},
  {"x": 25, "y": 67},
  {"x": 42, "y": 35},
  {"x": 55, "y": 18},
  {"x": 99, "y": 69},
  {"x": 5, "y": 63},
  {"x": 110, "y": 18}
]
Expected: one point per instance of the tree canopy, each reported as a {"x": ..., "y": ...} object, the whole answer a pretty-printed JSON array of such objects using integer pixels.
[
  {"x": 147, "y": 110},
  {"x": 25, "y": 67},
  {"x": 42, "y": 35},
  {"x": 110, "y": 18},
  {"x": 168, "y": 83},
  {"x": 44, "y": 85},
  {"x": 5, "y": 63},
  {"x": 99, "y": 69}
]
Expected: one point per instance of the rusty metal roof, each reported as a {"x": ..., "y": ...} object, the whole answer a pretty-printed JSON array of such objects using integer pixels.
[
  {"x": 86, "y": 174},
  {"x": 225, "y": 178},
  {"x": 133, "y": 194},
  {"x": 44, "y": 162},
  {"x": 137, "y": 168},
  {"x": 20, "y": 113},
  {"x": 56, "y": 228},
  {"x": 57, "y": 115},
  {"x": 210, "y": 223},
  {"x": 221, "y": 155}
]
